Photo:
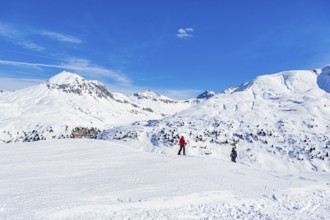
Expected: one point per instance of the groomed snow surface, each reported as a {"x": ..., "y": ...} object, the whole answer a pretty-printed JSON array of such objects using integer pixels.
[{"x": 94, "y": 179}]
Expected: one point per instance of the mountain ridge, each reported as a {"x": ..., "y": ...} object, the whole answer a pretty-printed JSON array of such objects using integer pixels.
[
  {"x": 281, "y": 117},
  {"x": 59, "y": 106}
]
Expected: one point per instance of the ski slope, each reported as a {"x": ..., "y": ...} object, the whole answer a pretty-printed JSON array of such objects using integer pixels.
[{"x": 94, "y": 179}]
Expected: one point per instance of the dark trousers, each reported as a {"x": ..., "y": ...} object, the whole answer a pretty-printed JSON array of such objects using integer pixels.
[
  {"x": 233, "y": 159},
  {"x": 182, "y": 147}
]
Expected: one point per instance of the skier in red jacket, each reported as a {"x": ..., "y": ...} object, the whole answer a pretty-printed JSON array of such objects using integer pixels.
[{"x": 182, "y": 146}]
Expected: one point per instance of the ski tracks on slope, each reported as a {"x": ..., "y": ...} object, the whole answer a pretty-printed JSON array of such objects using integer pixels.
[{"x": 300, "y": 203}]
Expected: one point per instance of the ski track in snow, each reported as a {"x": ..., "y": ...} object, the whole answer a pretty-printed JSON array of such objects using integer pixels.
[{"x": 92, "y": 179}]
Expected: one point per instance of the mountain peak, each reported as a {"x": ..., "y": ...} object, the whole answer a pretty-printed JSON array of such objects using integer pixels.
[
  {"x": 75, "y": 84},
  {"x": 65, "y": 77},
  {"x": 206, "y": 94},
  {"x": 283, "y": 83}
]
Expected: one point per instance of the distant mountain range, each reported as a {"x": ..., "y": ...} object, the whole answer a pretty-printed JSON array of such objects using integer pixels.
[
  {"x": 280, "y": 118},
  {"x": 57, "y": 107}
]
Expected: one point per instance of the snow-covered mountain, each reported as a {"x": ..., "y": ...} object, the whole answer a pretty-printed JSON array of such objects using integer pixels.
[
  {"x": 161, "y": 104},
  {"x": 206, "y": 94},
  {"x": 68, "y": 105},
  {"x": 281, "y": 118}
]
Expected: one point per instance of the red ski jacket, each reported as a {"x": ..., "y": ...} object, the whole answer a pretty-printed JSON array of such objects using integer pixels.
[{"x": 182, "y": 141}]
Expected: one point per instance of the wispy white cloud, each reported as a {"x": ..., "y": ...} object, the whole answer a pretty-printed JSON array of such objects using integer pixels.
[
  {"x": 89, "y": 68},
  {"x": 17, "y": 37},
  {"x": 7, "y": 31},
  {"x": 30, "y": 45},
  {"x": 82, "y": 66},
  {"x": 185, "y": 33},
  {"x": 61, "y": 37}
]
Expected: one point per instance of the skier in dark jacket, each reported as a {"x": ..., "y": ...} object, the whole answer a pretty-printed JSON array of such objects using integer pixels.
[
  {"x": 233, "y": 154},
  {"x": 182, "y": 146}
]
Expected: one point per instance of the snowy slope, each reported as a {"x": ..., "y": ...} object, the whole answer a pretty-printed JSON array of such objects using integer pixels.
[
  {"x": 67, "y": 105},
  {"x": 281, "y": 118},
  {"x": 91, "y": 179}
]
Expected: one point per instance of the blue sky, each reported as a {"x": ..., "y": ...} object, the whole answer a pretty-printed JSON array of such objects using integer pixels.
[{"x": 178, "y": 48}]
